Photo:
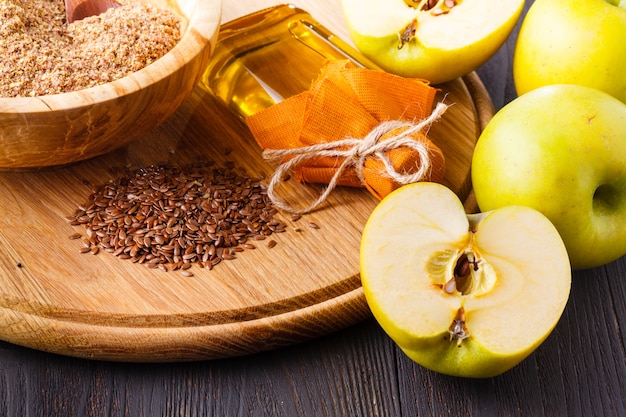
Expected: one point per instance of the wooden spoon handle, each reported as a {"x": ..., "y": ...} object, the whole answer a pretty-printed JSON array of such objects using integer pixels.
[{"x": 80, "y": 9}]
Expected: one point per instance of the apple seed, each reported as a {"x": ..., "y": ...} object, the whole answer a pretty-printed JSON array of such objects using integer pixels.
[
  {"x": 464, "y": 271},
  {"x": 429, "y": 4},
  {"x": 450, "y": 286},
  {"x": 462, "y": 268}
]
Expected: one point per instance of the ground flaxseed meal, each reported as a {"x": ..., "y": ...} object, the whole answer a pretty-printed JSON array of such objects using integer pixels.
[
  {"x": 169, "y": 218},
  {"x": 40, "y": 54}
]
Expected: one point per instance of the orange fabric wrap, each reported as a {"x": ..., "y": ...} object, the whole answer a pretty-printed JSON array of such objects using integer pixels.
[{"x": 349, "y": 102}]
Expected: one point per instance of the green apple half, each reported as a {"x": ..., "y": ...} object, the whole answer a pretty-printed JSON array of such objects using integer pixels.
[
  {"x": 433, "y": 40},
  {"x": 467, "y": 296},
  {"x": 560, "y": 149},
  {"x": 573, "y": 42}
]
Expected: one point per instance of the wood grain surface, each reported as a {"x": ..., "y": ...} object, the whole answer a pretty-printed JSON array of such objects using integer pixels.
[
  {"x": 356, "y": 372},
  {"x": 98, "y": 306}
]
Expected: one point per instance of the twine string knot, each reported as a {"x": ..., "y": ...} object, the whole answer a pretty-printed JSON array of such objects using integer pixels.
[{"x": 354, "y": 152}]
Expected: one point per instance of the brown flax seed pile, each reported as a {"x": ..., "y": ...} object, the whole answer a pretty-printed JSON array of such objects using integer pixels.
[
  {"x": 40, "y": 54},
  {"x": 170, "y": 218}
]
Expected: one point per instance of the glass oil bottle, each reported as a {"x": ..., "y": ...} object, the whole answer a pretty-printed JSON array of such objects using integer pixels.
[{"x": 270, "y": 55}]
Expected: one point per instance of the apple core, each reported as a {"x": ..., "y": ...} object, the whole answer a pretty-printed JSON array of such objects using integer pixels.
[{"x": 464, "y": 273}]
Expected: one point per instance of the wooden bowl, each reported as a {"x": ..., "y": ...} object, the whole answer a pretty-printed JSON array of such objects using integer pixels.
[{"x": 52, "y": 130}]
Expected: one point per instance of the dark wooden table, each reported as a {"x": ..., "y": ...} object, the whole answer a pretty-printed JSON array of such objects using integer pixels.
[{"x": 578, "y": 371}]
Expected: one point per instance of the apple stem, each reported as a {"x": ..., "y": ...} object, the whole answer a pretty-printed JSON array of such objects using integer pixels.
[{"x": 474, "y": 219}]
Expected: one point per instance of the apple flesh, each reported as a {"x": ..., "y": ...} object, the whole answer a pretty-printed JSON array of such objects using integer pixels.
[
  {"x": 560, "y": 149},
  {"x": 572, "y": 42},
  {"x": 467, "y": 296},
  {"x": 434, "y": 40}
]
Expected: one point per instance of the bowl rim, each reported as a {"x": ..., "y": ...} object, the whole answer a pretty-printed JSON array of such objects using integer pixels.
[{"x": 203, "y": 21}]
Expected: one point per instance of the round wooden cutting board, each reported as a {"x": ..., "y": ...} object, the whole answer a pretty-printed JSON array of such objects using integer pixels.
[{"x": 55, "y": 299}]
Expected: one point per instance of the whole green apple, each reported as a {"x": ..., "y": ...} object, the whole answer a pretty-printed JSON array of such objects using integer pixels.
[
  {"x": 573, "y": 42},
  {"x": 434, "y": 40},
  {"x": 560, "y": 149}
]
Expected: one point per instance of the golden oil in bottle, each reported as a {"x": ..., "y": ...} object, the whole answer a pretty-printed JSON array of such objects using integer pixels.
[{"x": 270, "y": 55}]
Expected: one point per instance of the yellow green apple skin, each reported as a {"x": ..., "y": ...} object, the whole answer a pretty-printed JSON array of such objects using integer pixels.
[
  {"x": 573, "y": 42},
  {"x": 560, "y": 149},
  {"x": 474, "y": 324},
  {"x": 443, "y": 48}
]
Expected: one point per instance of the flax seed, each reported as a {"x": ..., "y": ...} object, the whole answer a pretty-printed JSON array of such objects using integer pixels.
[{"x": 158, "y": 215}]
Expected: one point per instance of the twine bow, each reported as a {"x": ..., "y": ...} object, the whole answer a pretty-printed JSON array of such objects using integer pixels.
[{"x": 354, "y": 152}]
